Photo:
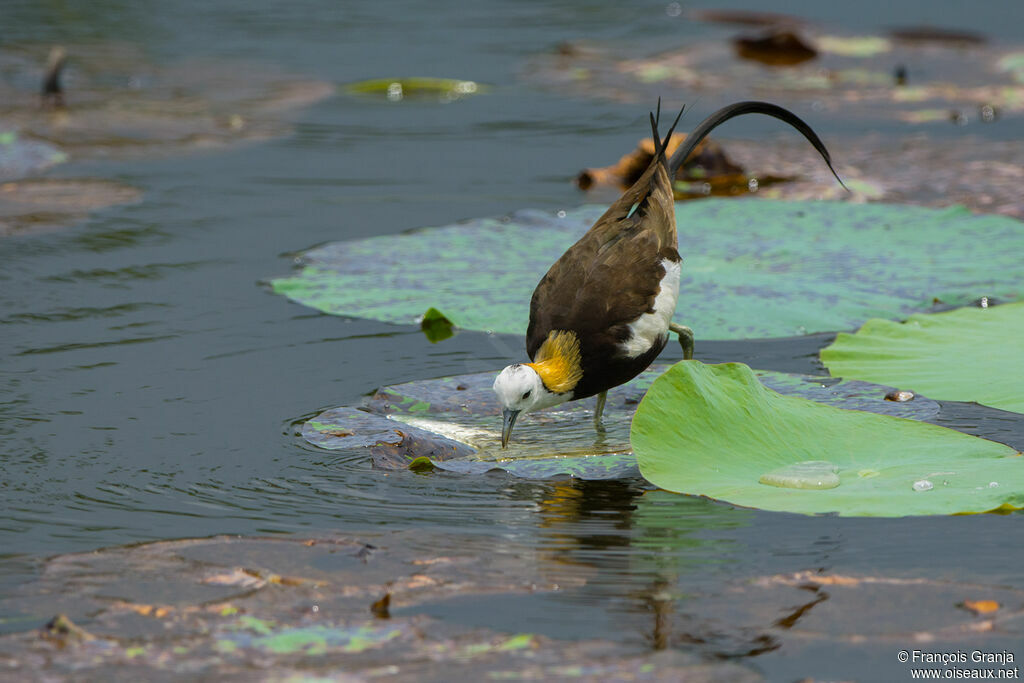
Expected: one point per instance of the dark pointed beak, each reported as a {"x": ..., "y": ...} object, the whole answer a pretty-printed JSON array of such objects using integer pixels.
[{"x": 509, "y": 420}]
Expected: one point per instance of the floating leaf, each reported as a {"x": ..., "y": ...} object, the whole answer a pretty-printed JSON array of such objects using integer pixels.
[
  {"x": 753, "y": 268},
  {"x": 454, "y": 424},
  {"x": 981, "y": 606},
  {"x": 714, "y": 430},
  {"x": 971, "y": 354},
  {"x": 436, "y": 326},
  {"x": 41, "y": 204},
  {"x": 396, "y": 89}
]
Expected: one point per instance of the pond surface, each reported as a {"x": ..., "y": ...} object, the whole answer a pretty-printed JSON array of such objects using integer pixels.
[{"x": 153, "y": 388}]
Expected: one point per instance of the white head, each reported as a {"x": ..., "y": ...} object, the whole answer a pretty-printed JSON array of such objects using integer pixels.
[{"x": 520, "y": 390}]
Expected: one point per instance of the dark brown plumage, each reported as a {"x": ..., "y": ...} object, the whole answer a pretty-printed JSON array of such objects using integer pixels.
[
  {"x": 609, "y": 278},
  {"x": 612, "y": 275}
]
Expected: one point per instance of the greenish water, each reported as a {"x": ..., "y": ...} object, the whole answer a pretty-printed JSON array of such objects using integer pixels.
[{"x": 151, "y": 387}]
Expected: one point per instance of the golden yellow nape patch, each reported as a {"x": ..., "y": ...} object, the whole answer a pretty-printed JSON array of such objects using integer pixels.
[{"x": 558, "y": 361}]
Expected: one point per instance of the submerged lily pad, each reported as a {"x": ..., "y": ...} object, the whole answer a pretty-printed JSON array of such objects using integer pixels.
[
  {"x": 117, "y": 102},
  {"x": 714, "y": 430},
  {"x": 454, "y": 424},
  {"x": 753, "y": 268},
  {"x": 45, "y": 204},
  {"x": 971, "y": 354}
]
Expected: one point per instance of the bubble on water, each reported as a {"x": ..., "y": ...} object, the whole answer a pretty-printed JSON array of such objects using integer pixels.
[
  {"x": 923, "y": 485},
  {"x": 993, "y": 484},
  {"x": 673, "y": 9},
  {"x": 809, "y": 474},
  {"x": 752, "y": 185},
  {"x": 561, "y": 214}
]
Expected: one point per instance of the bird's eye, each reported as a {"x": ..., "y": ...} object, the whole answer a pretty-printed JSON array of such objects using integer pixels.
[{"x": 527, "y": 394}]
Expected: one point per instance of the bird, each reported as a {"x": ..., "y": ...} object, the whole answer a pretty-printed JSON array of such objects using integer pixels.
[{"x": 603, "y": 312}]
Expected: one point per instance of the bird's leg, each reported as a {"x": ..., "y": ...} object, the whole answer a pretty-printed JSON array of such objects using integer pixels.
[
  {"x": 685, "y": 339},
  {"x": 599, "y": 409}
]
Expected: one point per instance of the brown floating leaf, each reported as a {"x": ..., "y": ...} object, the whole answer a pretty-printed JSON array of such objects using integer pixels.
[
  {"x": 380, "y": 607},
  {"x": 707, "y": 164},
  {"x": 981, "y": 606},
  {"x": 62, "y": 628},
  {"x": 775, "y": 48}
]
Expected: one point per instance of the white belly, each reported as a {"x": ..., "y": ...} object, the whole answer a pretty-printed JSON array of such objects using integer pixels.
[{"x": 649, "y": 328}]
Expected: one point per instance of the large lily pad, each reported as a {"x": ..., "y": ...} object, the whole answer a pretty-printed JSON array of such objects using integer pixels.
[
  {"x": 753, "y": 268},
  {"x": 454, "y": 423},
  {"x": 971, "y": 354},
  {"x": 714, "y": 430}
]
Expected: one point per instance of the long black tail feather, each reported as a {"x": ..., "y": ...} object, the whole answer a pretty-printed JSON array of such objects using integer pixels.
[{"x": 739, "y": 109}]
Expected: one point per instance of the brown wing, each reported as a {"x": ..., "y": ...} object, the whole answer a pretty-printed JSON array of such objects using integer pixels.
[{"x": 612, "y": 274}]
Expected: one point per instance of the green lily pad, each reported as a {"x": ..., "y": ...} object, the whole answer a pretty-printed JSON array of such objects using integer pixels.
[
  {"x": 397, "y": 89},
  {"x": 436, "y": 326},
  {"x": 454, "y": 424},
  {"x": 971, "y": 354},
  {"x": 753, "y": 268},
  {"x": 715, "y": 431}
]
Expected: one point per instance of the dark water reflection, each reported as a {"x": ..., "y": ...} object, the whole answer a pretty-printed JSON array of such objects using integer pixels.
[{"x": 150, "y": 386}]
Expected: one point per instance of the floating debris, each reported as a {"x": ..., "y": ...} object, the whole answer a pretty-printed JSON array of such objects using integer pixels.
[
  {"x": 709, "y": 166},
  {"x": 776, "y": 48},
  {"x": 843, "y": 77},
  {"x": 900, "y": 396}
]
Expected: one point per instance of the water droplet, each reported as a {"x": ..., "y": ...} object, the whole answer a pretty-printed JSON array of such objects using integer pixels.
[
  {"x": 752, "y": 184},
  {"x": 395, "y": 92},
  {"x": 993, "y": 484},
  {"x": 561, "y": 214},
  {"x": 809, "y": 474},
  {"x": 923, "y": 485}
]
